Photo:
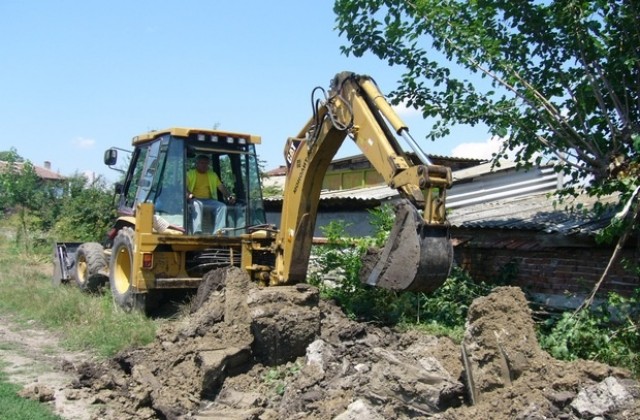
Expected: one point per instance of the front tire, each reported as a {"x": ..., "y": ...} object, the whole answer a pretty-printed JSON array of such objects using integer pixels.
[
  {"x": 121, "y": 273},
  {"x": 90, "y": 267}
]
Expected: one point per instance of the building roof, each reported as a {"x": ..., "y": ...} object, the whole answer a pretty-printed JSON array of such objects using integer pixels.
[
  {"x": 541, "y": 212},
  {"x": 370, "y": 196},
  {"x": 279, "y": 171},
  {"x": 41, "y": 172}
]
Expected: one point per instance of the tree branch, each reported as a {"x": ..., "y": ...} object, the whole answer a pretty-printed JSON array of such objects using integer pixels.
[{"x": 616, "y": 253}]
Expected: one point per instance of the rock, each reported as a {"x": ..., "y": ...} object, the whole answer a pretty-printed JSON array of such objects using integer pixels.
[
  {"x": 561, "y": 399},
  {"x": 358, "y": 410},
  {"x": 216, "y": 363},
  {"x": 418, "y": 382},
  {"x": 602, "y": 398}
]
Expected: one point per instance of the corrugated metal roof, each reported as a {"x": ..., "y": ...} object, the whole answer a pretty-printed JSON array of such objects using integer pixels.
[
  {"x": 505, "y": 200},
  {"x": 483, "y": 184},
  {"x": 376, "y": 193},
  {"x": 539, "y": 212}
]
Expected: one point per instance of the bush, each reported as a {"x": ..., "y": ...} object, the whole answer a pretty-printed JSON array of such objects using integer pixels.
[
  {"x": 608, "y": 333},
  {"x": 87, "y": 211},
  {"x": 449, "y": 304},
  {"x": 447, "y": 307}
]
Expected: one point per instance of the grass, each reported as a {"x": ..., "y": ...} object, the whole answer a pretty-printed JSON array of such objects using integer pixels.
[
  {"x": 85, "y": 322},
  {"x": 15, "y": 407}
]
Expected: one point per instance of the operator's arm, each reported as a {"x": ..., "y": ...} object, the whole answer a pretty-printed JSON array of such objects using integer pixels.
[{"x": 225, "y": 193}]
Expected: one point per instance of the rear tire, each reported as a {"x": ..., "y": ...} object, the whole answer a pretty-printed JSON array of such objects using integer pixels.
[
  {"x": 121, "y": 273},
  {"x": 90, "y": 267}
]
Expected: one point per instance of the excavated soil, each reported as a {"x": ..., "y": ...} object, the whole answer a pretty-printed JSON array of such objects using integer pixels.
[{"x": 282, "y": 353}]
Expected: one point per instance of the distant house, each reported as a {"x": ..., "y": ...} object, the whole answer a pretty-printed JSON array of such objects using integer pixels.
[
  {"x": 43, "y": 172},
  {"x": 274, "y": 177},
  {"x": 49, "y": 179},
  {"x": 357, "y": 172}
]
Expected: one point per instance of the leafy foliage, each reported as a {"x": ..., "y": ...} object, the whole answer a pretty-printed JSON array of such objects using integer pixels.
[
  {"x": 10, "y": 155},
  {"x": 341, "y": 258},
  {"x": 449, "y": 304},
  {"x": 272, "y": 191},
  {"x": 71, "y": 209},
  {"x": 24, "y": 193},
  {"x": 276, "y": 378},
  {"x": 446, "y": 307},
  {"x": 556, "y": 78},
  {"x": 609, "y": 333}
]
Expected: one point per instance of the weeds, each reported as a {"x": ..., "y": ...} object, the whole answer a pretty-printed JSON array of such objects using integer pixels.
[
  {"x": 449, "y": 304},
  {"x": 443, "y": 311},
  {"x": 276, "y": 377},
  {"x": 608, "y": 333}
]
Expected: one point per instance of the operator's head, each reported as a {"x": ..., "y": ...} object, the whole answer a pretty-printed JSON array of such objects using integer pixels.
[{"x": 202, "y": 163}]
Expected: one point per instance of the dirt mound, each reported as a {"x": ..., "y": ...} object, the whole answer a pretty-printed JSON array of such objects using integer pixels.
[
  {"x": 509, "y": 376},
  {"x": 271, "y": 353}
]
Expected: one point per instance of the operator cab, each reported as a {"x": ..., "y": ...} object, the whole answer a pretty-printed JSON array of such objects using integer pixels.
[{"x": 157, "y": 174}]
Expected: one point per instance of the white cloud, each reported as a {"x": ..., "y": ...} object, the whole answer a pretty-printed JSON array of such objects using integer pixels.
[
  {"x": 478, "y": 150},
  {"x": 83, "y": 143},
  {"x": 405, "y": 111}
]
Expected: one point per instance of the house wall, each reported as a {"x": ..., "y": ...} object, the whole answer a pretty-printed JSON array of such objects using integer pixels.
[
  {"x": 550, "y": 271},
  {"x": 357, "y": 222}
]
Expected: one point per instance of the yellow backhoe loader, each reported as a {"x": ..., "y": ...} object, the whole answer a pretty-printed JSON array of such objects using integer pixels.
[{"x": 153, "y": 248}]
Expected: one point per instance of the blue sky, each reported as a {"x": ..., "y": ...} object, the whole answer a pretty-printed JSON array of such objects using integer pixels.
[{"x": 80, "y": 76}]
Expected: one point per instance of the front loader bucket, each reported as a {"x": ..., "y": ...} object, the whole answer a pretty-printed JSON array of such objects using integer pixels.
[{"x": 417, "y": 257}]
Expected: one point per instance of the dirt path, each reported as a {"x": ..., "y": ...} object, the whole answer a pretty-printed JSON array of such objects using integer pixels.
[{"x": 33, "y": 358}]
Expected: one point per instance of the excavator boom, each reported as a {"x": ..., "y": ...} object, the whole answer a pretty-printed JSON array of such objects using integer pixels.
[{"x": 418, "y": 254}]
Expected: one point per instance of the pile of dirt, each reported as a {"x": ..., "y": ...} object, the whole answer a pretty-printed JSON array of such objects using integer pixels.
[
  {"x": 509, "y": 376},
  {"x": 270, "y": 353}
]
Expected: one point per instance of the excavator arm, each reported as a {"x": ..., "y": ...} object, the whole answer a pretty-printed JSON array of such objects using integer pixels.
[{"x": 418, "y": 253}]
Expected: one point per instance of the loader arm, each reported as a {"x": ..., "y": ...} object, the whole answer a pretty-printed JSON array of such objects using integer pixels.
[{"x": 418, "y": 254}]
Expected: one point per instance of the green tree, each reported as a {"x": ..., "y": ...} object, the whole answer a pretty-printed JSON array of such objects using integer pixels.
[
  {"x": 556, "y": 79},
  {"x": 11, "y": 154},
  {"x": 561, "y": 77},
  {"x": 22, "y": 192}
]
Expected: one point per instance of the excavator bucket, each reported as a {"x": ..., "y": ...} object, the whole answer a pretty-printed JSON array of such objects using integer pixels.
[{"x": 417, "y": 257}]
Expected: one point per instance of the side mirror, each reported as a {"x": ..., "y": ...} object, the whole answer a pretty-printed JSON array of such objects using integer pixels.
[{"x": 110, "y": 157}]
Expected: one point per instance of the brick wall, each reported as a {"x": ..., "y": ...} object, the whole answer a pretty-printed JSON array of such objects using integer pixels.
[{"x": 550, "y": 270}]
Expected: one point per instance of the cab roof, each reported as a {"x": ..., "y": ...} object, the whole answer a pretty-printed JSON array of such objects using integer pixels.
[{"x": 192, "y": 132}]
